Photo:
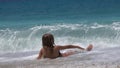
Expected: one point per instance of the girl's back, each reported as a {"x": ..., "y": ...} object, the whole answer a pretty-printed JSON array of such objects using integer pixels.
[{"x": 51, "y": 52}]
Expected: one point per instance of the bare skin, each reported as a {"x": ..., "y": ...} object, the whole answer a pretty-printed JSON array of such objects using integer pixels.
[{"x": 46, "y": 51}]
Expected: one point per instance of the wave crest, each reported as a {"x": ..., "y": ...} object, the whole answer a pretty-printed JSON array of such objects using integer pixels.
[{"x": 30, "y": 39}]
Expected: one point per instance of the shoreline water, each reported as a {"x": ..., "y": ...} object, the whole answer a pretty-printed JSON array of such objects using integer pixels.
[
  {"x": 37, "y": 64},
  {"x": 104, "y": 58}
]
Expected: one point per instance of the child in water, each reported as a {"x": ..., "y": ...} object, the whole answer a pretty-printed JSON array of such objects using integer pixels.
[{"x": 50, "y": 50}]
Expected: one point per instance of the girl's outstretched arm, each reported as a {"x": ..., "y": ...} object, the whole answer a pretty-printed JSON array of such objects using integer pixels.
[{"x": 68, "y": 47}]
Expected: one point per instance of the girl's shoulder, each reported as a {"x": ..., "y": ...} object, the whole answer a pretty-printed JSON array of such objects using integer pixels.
[
  {"x": 57, "y": 47},
  {"x": 42, "y": 49}
]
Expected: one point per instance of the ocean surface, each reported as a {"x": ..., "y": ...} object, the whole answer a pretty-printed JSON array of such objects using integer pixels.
[{"x": 78, "y": 22}]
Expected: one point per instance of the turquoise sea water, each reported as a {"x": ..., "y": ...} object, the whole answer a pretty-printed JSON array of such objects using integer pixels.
[{"x": 81, "y": 22}]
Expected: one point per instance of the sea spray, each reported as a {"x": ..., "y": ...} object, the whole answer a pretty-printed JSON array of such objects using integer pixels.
[{"x": 29, "y": 39}]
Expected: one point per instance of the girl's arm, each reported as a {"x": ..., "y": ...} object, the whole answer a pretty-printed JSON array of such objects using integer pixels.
[
  {"x": 68, "y": 47},
  {"x": 40, "y": 54}
]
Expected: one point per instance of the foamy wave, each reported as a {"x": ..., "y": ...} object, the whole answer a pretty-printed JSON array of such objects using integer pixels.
[
  {"x": 57, "y": 27},
  {"x": 114, "y": 25},
  {"x": 96, "y": 25},
  {"x": 105, "y": 58},
  {"x": 30, "y": 39}
]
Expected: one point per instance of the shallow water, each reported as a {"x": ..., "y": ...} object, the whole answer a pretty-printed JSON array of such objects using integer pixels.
[{"x": 103, "y": 58}]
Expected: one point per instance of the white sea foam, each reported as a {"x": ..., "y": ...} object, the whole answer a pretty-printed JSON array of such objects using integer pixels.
[
  {"x": 22, "y": 40},
  {"x": 19, "y": 48},
  {"x": 105, "y": 58}
]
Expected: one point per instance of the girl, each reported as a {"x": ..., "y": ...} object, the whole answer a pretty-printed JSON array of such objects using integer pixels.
[{"x": 50, "y": 50}]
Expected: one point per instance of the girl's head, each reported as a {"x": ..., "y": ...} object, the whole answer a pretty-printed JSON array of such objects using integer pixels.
[{"x": 48, "y": 40}]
